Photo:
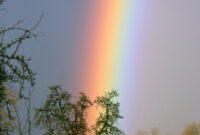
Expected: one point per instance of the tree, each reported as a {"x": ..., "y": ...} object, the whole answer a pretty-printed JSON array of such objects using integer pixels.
[
  {"x": 14, "y": 68},
  {"x": 6, "y": 110},
  {"x": 192, "y": 129},
  {"x": 14, "y": 71},
  {"x": 153, "y": 131},
  {"x": 62, "y": 116},
  {"x": 141, "y": 132},
  {"x": 1, "y": 1},
  {"x": 109, "y": 114}
]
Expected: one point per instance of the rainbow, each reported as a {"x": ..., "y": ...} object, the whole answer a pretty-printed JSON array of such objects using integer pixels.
[{"x": 109, "y": 40}]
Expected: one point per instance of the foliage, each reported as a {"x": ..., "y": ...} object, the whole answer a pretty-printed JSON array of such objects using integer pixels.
[
  {"x": 16, "y": 65},
  {"x": 153, "y": 131},
  {"x": 109, "y": 114},
  {"x": 1, "y": 1},
  {"x": 14, "y": 71},
  {"x": 141, "y": 132},
  {"x": 61, "y": 116},
  {"x": 7, "y": 112},
  {"x": 192, "y": 129}
]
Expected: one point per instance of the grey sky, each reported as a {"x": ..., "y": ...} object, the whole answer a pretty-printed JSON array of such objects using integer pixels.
[{"x": 168, "y": 71}]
